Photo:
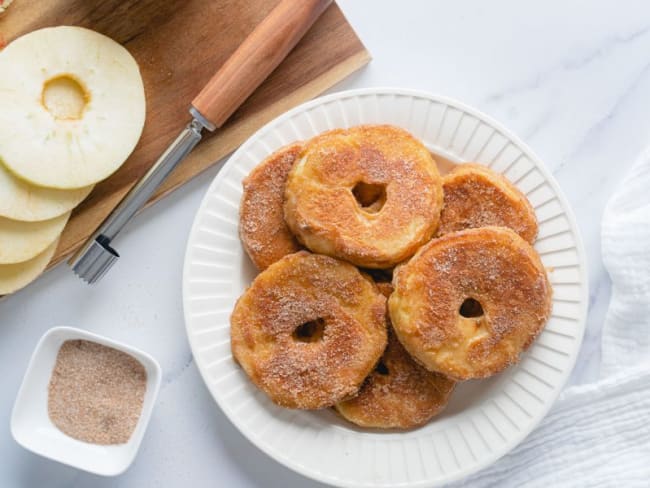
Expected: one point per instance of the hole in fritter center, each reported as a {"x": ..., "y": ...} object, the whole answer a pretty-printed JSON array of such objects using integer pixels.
[
  {"x": 64, "y": 97},
  {"x": 311, "y": 331},
  {"x": 382, "y": 368},
  {"x": 470, "y": 308},
  {"x": 370, "y": 197}
]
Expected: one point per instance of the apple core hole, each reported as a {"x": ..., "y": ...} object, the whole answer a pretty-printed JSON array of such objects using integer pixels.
[
  {"x": 370, "y": 197},
  {"x": 311, "y": 331},
  {"x": 471, "y": 308},
  {"x": 64, "y": 97}
]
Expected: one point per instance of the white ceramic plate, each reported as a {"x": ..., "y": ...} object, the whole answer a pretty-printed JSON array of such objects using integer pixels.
[{"x": 485, "y": 419}]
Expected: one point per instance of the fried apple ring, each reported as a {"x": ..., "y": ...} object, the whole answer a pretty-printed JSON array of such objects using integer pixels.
[
  {"x": 468, "y": 303},
  {"x": 399, "y": 393},
  {"x": 262, "y": 230},
  {"x": 309, "y": 330},
  {"x": 476, "y": 196},
  {"x": 370, "y": 195}
]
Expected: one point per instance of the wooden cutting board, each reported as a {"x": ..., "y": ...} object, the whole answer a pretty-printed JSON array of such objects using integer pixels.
[{"x": 178, "y": 46}]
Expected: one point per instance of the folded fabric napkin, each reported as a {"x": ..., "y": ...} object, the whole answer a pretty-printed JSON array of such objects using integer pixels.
[{"x": 598, "y": 435}]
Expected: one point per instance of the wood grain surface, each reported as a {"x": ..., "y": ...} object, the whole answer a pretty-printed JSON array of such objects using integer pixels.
[
  {"x": 255, "y": 58},
  {"x": 179, "y": 46}
]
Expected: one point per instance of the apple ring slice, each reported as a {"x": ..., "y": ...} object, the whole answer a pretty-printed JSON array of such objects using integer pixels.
[
  {"x": 20, "y": 200},
  {"x": 21, "y": 241},
  {"x": 73, "y": 107},
  {"x": 13, "y": 277}
]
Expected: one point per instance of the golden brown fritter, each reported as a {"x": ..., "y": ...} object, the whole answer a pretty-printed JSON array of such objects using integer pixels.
[
  {"x": 309, "y": 330},
  {"x": 468, "y": 303},
  {"x": 476, "y": 196},
  {"x": 370, "y": 195},
  {"x": 263, "y": 233},
  {"x": 399, "y": 393}
]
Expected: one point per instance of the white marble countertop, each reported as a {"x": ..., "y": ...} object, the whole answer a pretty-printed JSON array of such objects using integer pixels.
[{"x": 572, "y": 78}]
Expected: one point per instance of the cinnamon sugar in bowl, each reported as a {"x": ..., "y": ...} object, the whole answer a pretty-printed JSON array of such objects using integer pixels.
[
  {"x": 85, "y": 401},
  {"x": 96, "y": 392}
]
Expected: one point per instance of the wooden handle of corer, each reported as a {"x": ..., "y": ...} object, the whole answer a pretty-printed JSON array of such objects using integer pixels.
[{"x": 255, "y": 58}]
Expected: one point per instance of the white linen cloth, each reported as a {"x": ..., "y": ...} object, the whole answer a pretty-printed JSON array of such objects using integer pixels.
[{"x": 598, "y": 435}]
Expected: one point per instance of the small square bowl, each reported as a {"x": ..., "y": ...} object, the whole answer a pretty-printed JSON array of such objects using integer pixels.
[{"x": 32, "y": 428}]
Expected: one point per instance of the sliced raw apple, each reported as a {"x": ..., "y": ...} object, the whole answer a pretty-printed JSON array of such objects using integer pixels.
[
  {"x": 13, "y": 277},
  {"x": 21, "y": 241},
  {"x": 20, "y": 200},
  {"x": 72, "y": 106}
]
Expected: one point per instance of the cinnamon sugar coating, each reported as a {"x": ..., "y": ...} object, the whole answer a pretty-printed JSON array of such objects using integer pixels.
[
  {"x": 262, "y": 230},
  {"x": 316, "y": 372},
  {"x": 491, "y": 265},
  {"x": 341, "y": 168},
  {"x": 400, "y": 393},
  {"x": 476, "y": 196}
]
